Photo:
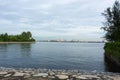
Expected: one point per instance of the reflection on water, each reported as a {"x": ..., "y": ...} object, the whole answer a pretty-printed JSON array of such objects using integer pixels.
[
  {"x": 25, "y": 49},
  {"x": 3, "y": 48}
]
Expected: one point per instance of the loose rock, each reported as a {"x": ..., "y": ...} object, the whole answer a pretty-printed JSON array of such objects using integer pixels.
[
  {"x": 18, "y": 74},
  {"x": 7, "y": 75},
  {"x": 3, "y": 73},
  {"x": 62, "y": 77},
  {"x": 81, "y": 78},
  {"x": 41, "y": 75}
]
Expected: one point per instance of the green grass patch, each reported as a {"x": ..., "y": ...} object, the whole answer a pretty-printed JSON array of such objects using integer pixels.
[{"x": 113, "y": 48}]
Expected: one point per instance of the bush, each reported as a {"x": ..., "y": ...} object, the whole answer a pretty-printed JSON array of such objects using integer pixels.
[{"x": 113, "y": 49}]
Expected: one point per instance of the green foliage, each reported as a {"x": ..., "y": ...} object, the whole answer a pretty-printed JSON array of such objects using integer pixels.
[
  {"x": 112, "y": 24},
  {"x": 23, "y": 37},
  {"x": 113, "y": 49}
]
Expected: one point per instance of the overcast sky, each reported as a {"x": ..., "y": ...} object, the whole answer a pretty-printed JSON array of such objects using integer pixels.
[{"x": 54, "y": 19}]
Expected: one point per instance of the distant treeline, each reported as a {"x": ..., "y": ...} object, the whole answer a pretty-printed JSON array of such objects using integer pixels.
[{"x": 23, "y": 37}]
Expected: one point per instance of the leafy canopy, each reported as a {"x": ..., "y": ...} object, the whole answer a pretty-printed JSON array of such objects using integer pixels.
[
  {"x": 112, "y": 24},
  {"x": 24, "y": 36}
]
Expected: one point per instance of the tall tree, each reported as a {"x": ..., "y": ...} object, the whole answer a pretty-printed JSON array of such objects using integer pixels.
[
  {"x": 112, "y": 24},
  {"x": 29, "y": 34},
  {"x": 5, "y": 37}
]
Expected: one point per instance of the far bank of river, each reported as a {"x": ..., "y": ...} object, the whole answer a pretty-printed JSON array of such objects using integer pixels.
[{"x": 55, "y": 42}]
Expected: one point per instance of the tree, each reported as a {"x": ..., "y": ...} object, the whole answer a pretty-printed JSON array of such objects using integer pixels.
[
  {"x": 5, "y": 37},
  {"x": 24, "y": 36},
  {"x": 112, "y": 24},
  {"x": 29, "y": 34}
]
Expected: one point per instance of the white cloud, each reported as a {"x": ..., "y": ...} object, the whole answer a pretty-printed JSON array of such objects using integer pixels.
[
  {"x": 75, "y": 19},
  {"x": 3, "y": 21},
  {"x": 10, "y": 13},
  {"x": 24, "y": 20},
  {"x": 63, "y": 2}
]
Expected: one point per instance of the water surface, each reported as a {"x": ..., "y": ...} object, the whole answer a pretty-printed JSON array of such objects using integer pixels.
[{"x": 53, "y": 55}]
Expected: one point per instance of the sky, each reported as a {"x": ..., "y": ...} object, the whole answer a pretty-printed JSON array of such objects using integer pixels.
[{"x": 54, "y": 19}]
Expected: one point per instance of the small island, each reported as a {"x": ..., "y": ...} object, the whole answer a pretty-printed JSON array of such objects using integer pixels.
[{"x": 23, "y": 37}]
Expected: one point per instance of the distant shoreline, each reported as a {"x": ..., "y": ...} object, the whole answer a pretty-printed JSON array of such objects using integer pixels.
[
  {"x": 73, "y": 41},
  {"x": 46, "y": 41},
  {"x": 14, "y": 42}
]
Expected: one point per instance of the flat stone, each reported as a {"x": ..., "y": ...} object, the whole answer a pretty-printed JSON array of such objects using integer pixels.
[
  {"x": 81, "y": 78},
  {"x": 28, "y": 71},
  {"x": 3, "y": 73},
  {"x": 7, "y": 75},
  {"x": 62, "y": 77},
  {"x": 91, "y": 76},
  {"x": 110, "y": 77},
  {"x": 18, "y": 74},
  {"x": 41, "y": 75},
  {"x": 27, "y": 75},
  {"x": 63, "y": 73},
  {"x": 51, "y": 77},
  {"x": 116, "y": 78},
  {"x": 51, "y": 73},
  {"x": 74, "y": 75}
]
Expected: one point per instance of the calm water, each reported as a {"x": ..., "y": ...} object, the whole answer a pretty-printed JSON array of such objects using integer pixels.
[{"x": 83, "y": 56}]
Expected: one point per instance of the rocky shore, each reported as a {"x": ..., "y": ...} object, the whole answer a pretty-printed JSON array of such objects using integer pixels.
[{"x": 45, "y": 74}]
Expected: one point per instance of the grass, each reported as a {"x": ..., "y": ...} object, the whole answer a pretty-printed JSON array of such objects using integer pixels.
[{"x": 113, "y": 49}]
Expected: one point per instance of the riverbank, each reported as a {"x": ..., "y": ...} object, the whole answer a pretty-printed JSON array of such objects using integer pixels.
[
  {"x": 112, "y": 62},
  {"x": 112, "y": 55},
  {"x": 45, "y": 74},
  {"x": 113, "y": 49},
  {"x": 15, "y": 42}
]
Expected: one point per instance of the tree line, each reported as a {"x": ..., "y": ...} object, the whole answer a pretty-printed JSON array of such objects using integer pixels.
[
  {"x": 112, "y": 24},
  {"x": 23, "y": 37}
]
